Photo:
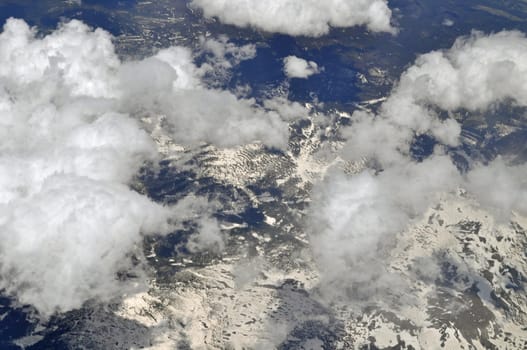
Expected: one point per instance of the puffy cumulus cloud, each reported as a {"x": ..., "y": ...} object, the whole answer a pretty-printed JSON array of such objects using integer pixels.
[
  {"x": 71, "y": 142},
  {"x": 25, "y": 60},
  {"x": 214, "y": 116},
  {"x": 295, "y": 67},
  {"x": 169, "y": 84},
  {"x": 299, "y": 17},
  {"x": 500, "y": 187},
  {"x": 68, "y": 217},
  {"x": 475, "y": 73},
  {"x": 355, "y": 218},
  {"x": 66, "y": 243},
  {"x": 479, "y": 70}
]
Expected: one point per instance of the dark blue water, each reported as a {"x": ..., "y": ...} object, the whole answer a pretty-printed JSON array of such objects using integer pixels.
[
  {"x": 95, "y": 18},
  {"x": 11, "y": 10},
  {"x": 14, "y": 324},
  {"x": 111, "y": 4}
]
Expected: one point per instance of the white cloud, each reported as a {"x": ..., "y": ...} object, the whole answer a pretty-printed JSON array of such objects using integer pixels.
[
  {"x": 355, "y": 220},
  {"x": 208, "y": 236},
  {"x": 499, "y": 187},
  {"x": 356, "y": 217},
  {"x": 295, "y": 67},
  {"x": 299, "y": 17},
  {"x": 222, "y": 55},
  {"x": 477, "y": 72},
  {"x": 71, "y": 142},
  {"x": 447, "y": 22},
  {"x": 170, "y": 84},
  {"x": 65, "y": 243},
  {"x": 218, "y": 117},
  {"x": 68, "y": 217}
]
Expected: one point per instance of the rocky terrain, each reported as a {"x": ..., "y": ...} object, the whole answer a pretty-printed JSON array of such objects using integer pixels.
[{"x": 462, "y": 271}]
